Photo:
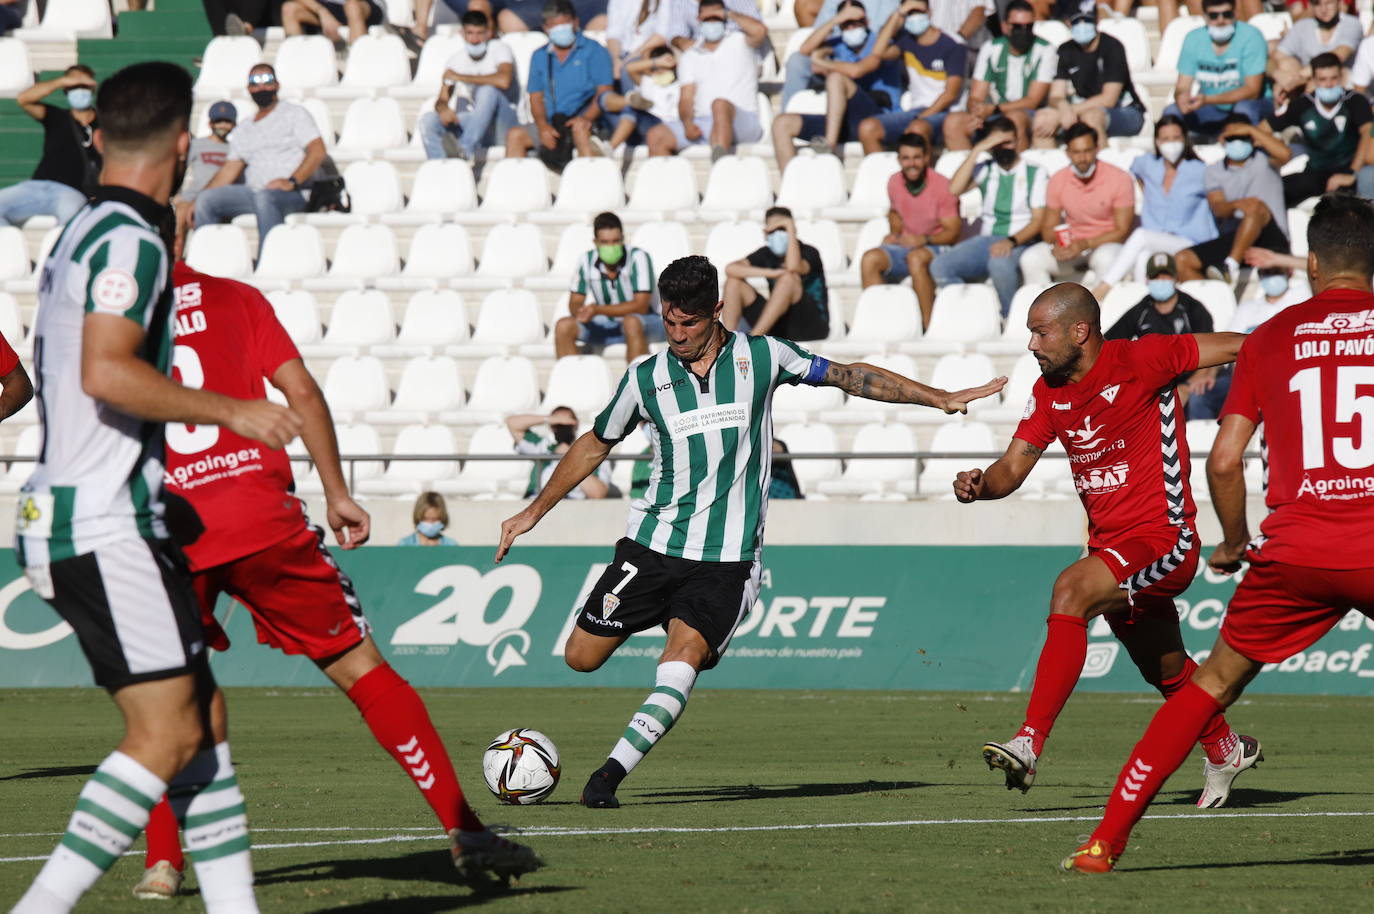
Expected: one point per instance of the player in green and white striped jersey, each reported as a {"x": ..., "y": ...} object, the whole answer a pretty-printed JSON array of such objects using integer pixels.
[
  {"x": 1011, "y": 77},
  {"x": 613, "y": 298},
  {"x": 90, "y": 528},
  {"x": 690, "y": 556}
]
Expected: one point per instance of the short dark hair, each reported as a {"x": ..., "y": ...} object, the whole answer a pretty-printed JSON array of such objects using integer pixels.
[
  {"x": 1207, "y": 3},
  {"x": 689, "y": 284},
  {"x": 1325, "y": 61},
  {"x": 706, "y": 3},
  {"x": 1078, "y": 129},
  {"x": 80, "y": 68},
  {"x": 661, "y": 50},
  {"x": 1339, "y": 234},
  {"x": 474, "y": 17},
  {"x": 564, "y": 409},
  {"x": 914, "y": 141},
  {"x": 776, "y": 211},
  {"x": 263, "y": 65},
  {"x": 846, "y": 4},
  {"x": 144, "y": 100},
  {"x": 1019, "y": 6},
  {"x": 606, "y": 221},
  {"x": 1237, "y": 117},
  {"x": 997, "y": 124},
  {"x": 552, "y": 9}
]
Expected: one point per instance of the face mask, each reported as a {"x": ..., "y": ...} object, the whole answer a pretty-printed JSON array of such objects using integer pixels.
[
  {"x": 1327, "y": 23},
  {"x": 915, "y": 187},
  {"x": 1083, "y": 32},
  {"x": 1160, "y": 289},
  {"x": 1239, "y": 150},
  {"x": 221, "y": 132},
  {"x": 855, "y": 37},
  {"x": 713, "y": 30},
  {"x": 1084, "y": 175},
  {"x": 264, "y": 98},
  {"x": 663, "y": 77},
  {"x": 1274, "y": 284},
  {"x": 1021, "y": 38},
  {"x": 777, "y": 242},
  {"x": 562, "y": 35},
  {"x": 917, "y": 23},
  {"x": 477, "y": 50},
  {"x": 430, "y": 529},
  {"x": 1004, "y": 156},
  {"x": 80, "y": 98},
  {"x": 564, "y": 434},
  {"x": 1329, "y": 95},
  {"x": 1221, "y": 34},
  {"x": 610, "y": 254},
  {"x": 1172, "y": 151}
]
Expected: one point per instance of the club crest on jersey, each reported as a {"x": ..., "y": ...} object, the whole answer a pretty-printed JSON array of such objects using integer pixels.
[
  {"x": 742, "y": 365},
  {"x": 609, "y": 604},
  {"x": 1087, "y": 437},
  {"x": 1109, "y": 393}
]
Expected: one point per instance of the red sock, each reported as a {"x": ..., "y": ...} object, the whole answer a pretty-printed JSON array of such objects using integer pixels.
[
  {"x": 164, "y": 842},
  {"x": 1061, "y": 660},
  {"x": 1160, "y": 752},
  {"x": 399, "y": 721},
  {"x": 1218, "y": 739}
]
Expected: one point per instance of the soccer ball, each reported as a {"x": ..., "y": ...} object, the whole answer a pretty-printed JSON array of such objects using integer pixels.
[{"x": 521, "y": 767}]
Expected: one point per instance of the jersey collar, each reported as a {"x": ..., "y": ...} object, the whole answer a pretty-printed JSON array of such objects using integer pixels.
[{"x": 155, "y": 214}]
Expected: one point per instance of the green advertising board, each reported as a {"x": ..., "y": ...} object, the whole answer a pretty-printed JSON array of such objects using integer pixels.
[{"x": 828, "y": 617}]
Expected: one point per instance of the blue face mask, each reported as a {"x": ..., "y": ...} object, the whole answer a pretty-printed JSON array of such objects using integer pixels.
[
  {"x": 777, "y": 242},
  {"x": 855, "y": 37},
  {"x": 1160, "y": 289},
  {"x": 917, "y": 23},
  {"x": 478, "y": 50},
  {"x": 1221, "y": 34},
  {"x": 1083, "y": 32},
  {"x": 713, "y": 30},
  {"x": 1239, "y": 150},
  {"x": 1329, "y": 95},
  {"x": 430, "y": 528},
  {"x": 562, "y": 35},
  {"x": 1274, "y": 285},
  {"x": 80, "y": 98}
]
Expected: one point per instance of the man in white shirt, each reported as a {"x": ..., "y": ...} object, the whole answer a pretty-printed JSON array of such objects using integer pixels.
[
  {"x": 476, "y": 102},
  {"x": 720, "y": 84},
  {"x": 276, "y": 152}
]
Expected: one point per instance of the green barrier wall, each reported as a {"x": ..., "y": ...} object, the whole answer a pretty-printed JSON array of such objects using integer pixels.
[{"x": 833, "y": 617}]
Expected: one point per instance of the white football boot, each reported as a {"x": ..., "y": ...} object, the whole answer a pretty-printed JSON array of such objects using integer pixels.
[
  {"x": 1016, "y": 759},
  {"x": 1217, "y": 779},
  {"x": 161, "y": 880}
]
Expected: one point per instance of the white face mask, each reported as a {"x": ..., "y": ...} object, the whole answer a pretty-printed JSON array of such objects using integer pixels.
[
  {"x": 1172, "y": 152},
  {"x": 1084, "y": 175}
]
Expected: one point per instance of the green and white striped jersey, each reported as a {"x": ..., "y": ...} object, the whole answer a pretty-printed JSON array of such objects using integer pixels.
[
  {"x": 1010, "y": 76},
  {"x": 1010, "y": 197},
  {"x": 636, "y": 275},
  {"x": 99, "y": 473},
  {"x": 712, "y": 445}
]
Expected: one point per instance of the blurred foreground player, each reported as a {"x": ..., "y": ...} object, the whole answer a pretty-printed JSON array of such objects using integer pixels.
[
  {"x": 257, "y": 546},
  {"x": 1301, "y": 373},
  {"x": 1114, "y": 406}
]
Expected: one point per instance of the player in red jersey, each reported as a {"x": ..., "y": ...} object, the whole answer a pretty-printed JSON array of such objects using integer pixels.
[
  {"x": 1114, "y": 406},
  {"x": 258, "y": 547},
  {"x": 1307, "y": 374}
]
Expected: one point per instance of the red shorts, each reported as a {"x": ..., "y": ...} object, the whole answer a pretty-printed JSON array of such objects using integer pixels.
[
  {"x": 302, "y": 603},
  {"x": 1153, "y": 570},
  {"x": 1279, "y": 610}
]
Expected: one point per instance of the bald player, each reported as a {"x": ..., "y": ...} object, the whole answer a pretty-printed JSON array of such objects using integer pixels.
[{"x": 1114, "y": 407}]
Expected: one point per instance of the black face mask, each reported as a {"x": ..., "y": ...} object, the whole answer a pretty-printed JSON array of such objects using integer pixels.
[
  {"x": 1021, "y": 38},
  {"x": 1328, "y": 23},
  {"x": 264, "y": 98},
  {"x": 564, "y": 434},
  {"x": 1004, "y": 156}
]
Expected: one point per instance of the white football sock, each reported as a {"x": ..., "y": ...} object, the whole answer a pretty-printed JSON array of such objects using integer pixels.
[
  {"x": 653, "y": 720},
  {"x": 206, "y": 798}
]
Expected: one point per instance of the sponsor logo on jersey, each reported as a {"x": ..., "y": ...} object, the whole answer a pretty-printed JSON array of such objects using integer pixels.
[
  {"x": 1342, "y": 488},
  {"x": 1351, "y": 322},
  {"x": 609, "y": 604},
  {"x": 216, "y": 466},
  {"x": 1058, "y": 405},
  {"x": 1100, "y": 480},
  {"x": 708, "y": 418},
  {"x": 1087, "y": 437},
  {"x": 670, "y": 385},
  {"x": 1109, "y": 393}
]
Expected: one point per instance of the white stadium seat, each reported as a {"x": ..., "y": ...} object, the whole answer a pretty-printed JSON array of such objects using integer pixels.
[
  {"x": 737, "y": 185},
  {"x": 863, "y": 477},
  {"x": 807, "y": 101},
  {"x": 859, "y": 411},
  {"x": 516, "y": 186},
  {"x": 884, "y": 317},
  {"x": 503, "y": 385},
  {"x": 16, "y": 69},
  {"x": 665, "y": 242},
  {"x": 224, "y": 68},
  {"x": 12, "y": 328},
  {"x": 438, "y": 251},
  {"x": 374, "y": 62},
  {"x": 513, "y": 251},
  {"x": 730, "y": 241},
  {"x": 508, "y": 317},
  {"x": 306, "y": 62},
  {"x": 587, "y": 187},
  {"x": 1015, "y": 336},
  {"x": 442, "y": 187},
  {"x": 868, "y": 198},
  {"x": 574, "y": 241},
  {"x": 71, "y": 19},
  {"x": 1016, "y": 394},
  {"x": 20, "y": 471},
  {"x": 1131, "y": 33},
  {"x": 429, "y": 385},
  {"x": 489, "y": 476},
  {"x": 411, "y": 477},
  {"x": 956, "y": 372},
  {"x": 298, "y": 313},
  {"x": 324, "y": 121},
  {"x": 356, "y": 384},
  {"x": 359, "y": 319},
  {"x": 433, "y": 319},
  {"x": 363, "y": 252},
  {"x": 1201, "y": 433},
  {"x": 219, "y": 250},
  {"x": 14, "y": 254},
  {"x": 824, "y": 235},
  {"x": 1170, "y": 46},
  {"x": 1272, "y": 25},
  {"x": 373, "y": 188},
  {"x": 937, "y": 473},
  {"x": 1216, "y": 296},
  {"x": 1122, "y": 297},
  {"x": 371, "y": 125},
  {"x": 811, "y": 438},
  {"x": 359, "y": 439},
  {"x": 869, "y": 236},
  {"x": 1052, "y": 30},
  {"x": 812, "y": 183},
  {"x": 964, "y": 313},
  {"x": 800, "y": 402},
  {"x": 580, "y": 382},
  {"x": 663, "y": 184},
  {"x": 429, "y": 70},
  {"x": 291, "y": 252}
]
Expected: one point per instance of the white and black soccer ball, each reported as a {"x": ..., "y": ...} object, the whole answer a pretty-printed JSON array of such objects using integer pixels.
[{"x": 521, "y": 767}]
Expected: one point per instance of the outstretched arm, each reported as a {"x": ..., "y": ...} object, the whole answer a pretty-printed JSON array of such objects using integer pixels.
[
  {"x": 1002, "y": 478},
  {"x": 581, "y": 461},
  {"x": 1226, "y": 481},
  {"x": 861, "y": 379},
  {"x": 1217, "y": 348}
]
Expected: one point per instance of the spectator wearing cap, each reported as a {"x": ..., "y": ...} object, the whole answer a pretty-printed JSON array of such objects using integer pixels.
[
  {"x": 1092, "y": 204},
  {"x": 276, "y": 152},
  {"x": 206, "y": 156},
  {"x": 1167, "y": 310},
  {"x": 1335, "y": 128},
  {"x": 328, "y": 16},
  {"x": 1092, "y": 84},
  {"x": 1328, "y": 30},
  {"x": 797, "y": 74},
  {"x": 1246, "y": 196},
  {"x": 477, "y": 95},
  {"x": 924, "y": 221},
  {"x": 1226, "y": 60},
  {"x": 613, "y": 298},
  {"x": 69, "y": 169},
  {"x": 797, "y": 306}
]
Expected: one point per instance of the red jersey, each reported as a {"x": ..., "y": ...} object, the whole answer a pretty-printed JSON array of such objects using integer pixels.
[
  {"x": 227, "y": 340},
  {"x": 1122, "y": 427},
  {"x": 9, "y": 359},
  {"x": 1308, "y": 374}
]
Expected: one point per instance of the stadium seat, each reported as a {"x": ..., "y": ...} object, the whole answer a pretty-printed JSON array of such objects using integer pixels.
[
  {"x": 370, "y": 125},
  {"x": 1052, "y": 30},
  {"x": 14, "y": 254},
  {"x": 665, "y": 242},
  {"x": 662, "y": 185},
  {"x": 949, "y": 161},
  {"x": 429, "y": 70},
  {"x": 730, "y": 241},
  {"x": 489, "y": 477},
  {"x": 860, "y": 411},
  {"x": 802, "y": 402},
  {"x": 11, "y": 327},
  {"x": 429, "y": 385},
  {"x": 374, "y": 188},
  {"x": 69, "y": 20},
  {"x": 513, "y": 251},
  {"x": 356, "y": 384},
  {"x": 811, "y": 183},
  {"x": 737, "y": 186},
  {"x": 522, "y": 47},
  {"x": 937, "y": 473},
  {"x": 359, "y": 439},
  {"x": 574, "y": 241},
  {"x": 411, "y": 477},
  {"x": 884, "y": 317},
  {"x": 964, "y": 314},
  {"x": 298, "y": 313},
  {"x": 869, "y": 236},
  {"x": 324, "y": 121},
  {"x": 507, "y": 318},
  {"x": 363, "y": 252},
  {"x": 358, "y": 320},
  {"x": 956, "y": 372},
  {"x": 19, "y": 472},
  {"x": 438, "y": 251},
  {"x": 306, "y": 62},
  {"x": 587, "y": 187},
  {"x": 1272, "y": 25},
  {"x": 225, "y": 65},
  {"x": 1131, "y": 33},
  {"x": 16, "y": 69},
  {"x": 1015, "y": 395},
  {"x": 581, "y": 382},
  {"x": 824, "y": 235},
  {"x": 219, "y": 250},
  {"x": 1122, "y": 298},
  {"x": 1297, "y": 231},
  {"x": 811, "y": 438},
  {"x": 1216, "y": 296},
  {"x": 515, "y": 186},
  {"x": 442, "y": 187},
  {"x": 503, "y": 385},
  {"x": 291, "y": 252},
  {"x": 434, "y": 319},
  {"x": 1166, "y": 59},
  {"x": 868, "y": 198},
  {"x": 1201, "y": 433},
  {"x": 375, "y": 62},
  {"x": 807, "y": 101},
  {"x": 1014, "y": 336},
  {"x": 863, "y": 477}
]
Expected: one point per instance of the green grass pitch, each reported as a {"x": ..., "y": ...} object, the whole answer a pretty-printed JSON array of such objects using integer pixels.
[{"x": 353, "y": 835}]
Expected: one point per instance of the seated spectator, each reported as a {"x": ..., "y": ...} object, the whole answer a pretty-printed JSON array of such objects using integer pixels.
[
  {"x": 11, "y": 16},
  {"x": 567, "y": 78},
  {"x": 797, "y": 306},
  {"x": 655, "y": 102},
  {"x": 477, "y": 98},
  {"x": 1326, "y": 31},
  {"x": 1010, "y": 78},
  {"x": 1226, "y": 59},
  {"x": 1093, "y": 203},
  {"x": 1246, "y": 196},
  {"x": 327, "y": 16},
  {"x": 924, "y": 219},
  {"x": 935, "y": 66},
  {"x": 276, "y": 152},
  {"x": 206, "y": 157},
  {"x": 1092, "y": 84},
  {"x": 519, "y": 15},
  {"x": 797, "y": 73},
  {"x": 1013, "y": 213},
  {"x": 685, "y": 25},
  {"x": 783, "y": 482},
  {"x": 720, "y": 84},
  {"x": 858, "y": 85},
  {"x": 562, "y": 424},
  {"x": 633, "y": 29},
  {"x": 964, "y": 20},
  {"x": 1334, "y": 124},
  {"x": 614, "y": 296},
  {"x": 69, "y": 169},
  {"x": 430, "y": 517},
  {"x": 1176, "y": 213}
]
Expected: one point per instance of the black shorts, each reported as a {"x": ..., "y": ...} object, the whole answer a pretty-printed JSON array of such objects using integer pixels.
[
  {"x": 1214, "y": 253},
  {"x": 131, "y": 605},
  {"x": 336, "y": 9},
  {"x": 802, "y": 322},
  {"x": 642, "y": 588}
]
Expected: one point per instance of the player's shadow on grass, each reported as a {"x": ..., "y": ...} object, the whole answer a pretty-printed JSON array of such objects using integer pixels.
[
  {"x": 430, "y": 904},
  {"x": 62, "y": 771},
  {"x": 774, "y": 792},
  {"x": 1363, "y": 857},
  {"x": 1249, "y": 797}
]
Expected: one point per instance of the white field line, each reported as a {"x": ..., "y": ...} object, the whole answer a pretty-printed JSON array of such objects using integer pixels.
[{"x": 428, "y": 834}]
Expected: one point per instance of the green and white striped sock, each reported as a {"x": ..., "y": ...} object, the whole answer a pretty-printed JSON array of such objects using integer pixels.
[
  {"x": 653, "y": 720},
  {"x": 110, "y": 812},
  {"x": 215, "y": 826}
]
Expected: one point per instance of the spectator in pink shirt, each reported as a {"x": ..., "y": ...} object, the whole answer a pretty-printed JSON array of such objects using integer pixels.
[
  {"x": 924, "y": 220},
  {"x": 1096, "y": 200}
]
